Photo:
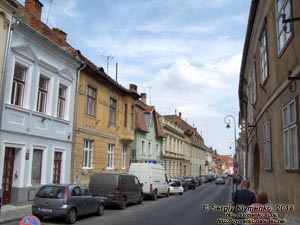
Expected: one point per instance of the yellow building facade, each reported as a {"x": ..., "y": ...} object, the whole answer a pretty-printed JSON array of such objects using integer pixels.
[{"x": 105, "y": 124}]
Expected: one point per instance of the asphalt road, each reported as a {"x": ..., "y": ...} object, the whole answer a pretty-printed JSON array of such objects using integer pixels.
[{"x": 186, "y": 209}]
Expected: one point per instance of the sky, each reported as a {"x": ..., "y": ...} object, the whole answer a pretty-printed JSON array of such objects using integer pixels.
[{"x": 184, "y": 54}]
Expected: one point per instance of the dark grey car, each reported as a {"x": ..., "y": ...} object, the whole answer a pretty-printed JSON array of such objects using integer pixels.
[
  {"x": 119, "y": 189},
  {"x": 68, "y": 201}
]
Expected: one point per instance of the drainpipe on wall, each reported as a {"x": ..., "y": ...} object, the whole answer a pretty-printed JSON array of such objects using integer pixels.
[
  {"x": 5, "y": 61},
  {"x": 81, "y": 67}
]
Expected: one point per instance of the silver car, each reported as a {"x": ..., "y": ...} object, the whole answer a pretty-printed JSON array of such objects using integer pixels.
[
  {"x": 220, "y": 180},
  {"x": 66, "y": 200}
]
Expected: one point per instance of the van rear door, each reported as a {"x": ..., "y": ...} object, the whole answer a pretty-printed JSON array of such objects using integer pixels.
[{"x": 104, "y": 184}]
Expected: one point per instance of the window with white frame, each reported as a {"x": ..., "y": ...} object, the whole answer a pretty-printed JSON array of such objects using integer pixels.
[
  {"x": 149, "y": 148},
  {"x": 61, "y": 101},
  {"x": 112, "y": 110},
  {"x": 91, "y": 101},
  {"x": 290, "y": 136},
  {"x": 42, "y": 94},
  {"x": 263, "y": 57},
  {"x": 110, "y": 156},
  {"x": 157, "y": 149},
  {"x": 88, "y": 150},
  {"x": 124, "y": 156},
  {"x": 267, "y": 146},
  {"x": 164, "y": 145},
  {"x": 283, "y": 9},
  {"x": 18, "y": 87},
  {"x": 143, "y": 147}
]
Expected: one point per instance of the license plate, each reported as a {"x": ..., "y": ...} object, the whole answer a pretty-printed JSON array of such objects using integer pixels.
[
  {"x": 45, "y": 210},
  {"x": 176, "y": 188}
]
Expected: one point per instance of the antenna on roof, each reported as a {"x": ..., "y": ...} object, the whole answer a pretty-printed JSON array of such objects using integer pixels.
[
  {"x": 50, "y": 4},
  {"x": 107, "y": 59}
]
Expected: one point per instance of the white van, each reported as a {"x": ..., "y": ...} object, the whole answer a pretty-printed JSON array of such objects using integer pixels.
[{"x": 153, "y": 177}]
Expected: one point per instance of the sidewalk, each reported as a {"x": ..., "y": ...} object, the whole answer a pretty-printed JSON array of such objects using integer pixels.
[{"x": 11, "y": 213}]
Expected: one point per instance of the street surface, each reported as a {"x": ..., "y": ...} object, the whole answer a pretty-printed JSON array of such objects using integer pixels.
[{"x": 183, "y": 209}]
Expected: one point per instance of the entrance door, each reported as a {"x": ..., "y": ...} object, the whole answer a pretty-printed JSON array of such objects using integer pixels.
[
  {"x": 256, "y": 168},
  {"x": 57, "y": 167},
  {"x": 8, "y": 170}
]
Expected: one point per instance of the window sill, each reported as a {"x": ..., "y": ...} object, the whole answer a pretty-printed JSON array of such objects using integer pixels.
[
  {"x": 292, "y": 170},
  {"x": 87, "y": 168},
  {"x": 109, "y": 168}
]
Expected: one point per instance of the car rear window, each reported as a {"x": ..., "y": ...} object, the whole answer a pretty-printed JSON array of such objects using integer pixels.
[{"x": 51, "y": 192}]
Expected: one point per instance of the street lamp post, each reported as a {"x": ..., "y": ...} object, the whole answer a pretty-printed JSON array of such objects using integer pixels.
[{"x": 228, "y": 119}]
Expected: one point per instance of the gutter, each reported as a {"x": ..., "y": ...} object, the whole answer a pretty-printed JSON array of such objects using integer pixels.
[
  {"x": 81, "y": 67},
  {"x": 5, "y": 62}
]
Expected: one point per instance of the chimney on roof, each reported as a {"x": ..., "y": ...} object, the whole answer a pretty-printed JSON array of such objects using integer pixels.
[
  {"x": 60, "y": 34},
  {"x": 144, "y": 97},
  {"x": 34, "y": 7},
  {"x": 133, "y": 87},
  {"x": 179, "y": 115}
]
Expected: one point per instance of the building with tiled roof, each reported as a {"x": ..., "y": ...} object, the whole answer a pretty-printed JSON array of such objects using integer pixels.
[
  {"x": 195, "y": 149},
  {"x": 228, "y": 163},
  {"x": 37, "y": 105},
  {"x": 149, "y": 135}
]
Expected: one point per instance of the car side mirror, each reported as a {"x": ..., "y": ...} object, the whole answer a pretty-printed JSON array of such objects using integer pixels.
[{"x": 142, "y": 184}]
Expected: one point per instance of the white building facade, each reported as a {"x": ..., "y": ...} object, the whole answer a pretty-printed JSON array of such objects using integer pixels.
[{"x": 37, "y": 114}]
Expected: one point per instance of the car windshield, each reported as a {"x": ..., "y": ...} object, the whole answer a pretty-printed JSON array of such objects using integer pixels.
[{"x": 51, "y": 192}]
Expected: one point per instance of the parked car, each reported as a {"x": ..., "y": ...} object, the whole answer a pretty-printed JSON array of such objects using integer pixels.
[
  {"x": 190, "y": 182},
  {"x": 203, "y": 178},
  {"x": 183, "y": 184},
  {"x": 197, "y": 180},
  {"x": 119, "y": 189},
  {"x": 68, "y": 201},
  {"x": 153, "y": 177},
  {"x": 212, "y": 177},
  {"x": 220, "y": 180},
  {"x": 176, "y": 187}
]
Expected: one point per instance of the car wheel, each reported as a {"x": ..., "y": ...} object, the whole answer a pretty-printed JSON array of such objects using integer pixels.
[
  {"x": 100, "y": 210},
  {"x": 168, "y": 193},
  {"x": 154, "y": 195},
  {"x": 181, "y": 193},
  {"x": 71, "y": 216},
  {"x": 140, "y": 201},
  {"x": 123, "y": 203}
]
